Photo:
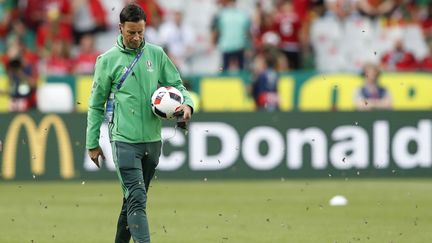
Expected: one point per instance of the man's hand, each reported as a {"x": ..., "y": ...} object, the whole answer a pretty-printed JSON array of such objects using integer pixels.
[
  {"x": 94, "y": 155},
  {"x": 186, "y": 110},
  {"x": 183, "y": 114}
]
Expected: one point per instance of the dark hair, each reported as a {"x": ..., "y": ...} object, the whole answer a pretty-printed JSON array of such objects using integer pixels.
[
  {"x": 15, "y": 63},
  {"x": 132, "y": 13}
]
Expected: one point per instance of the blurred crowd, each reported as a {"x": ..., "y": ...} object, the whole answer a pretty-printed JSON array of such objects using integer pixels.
[
  {"x": 55, "y": 38},
  {"x": 327, "y": 35},
  {"x": 41, "y": 38},
  {"x": 397, "y": 34}
]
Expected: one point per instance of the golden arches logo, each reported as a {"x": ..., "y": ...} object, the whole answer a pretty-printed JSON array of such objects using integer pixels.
[{"x": 37, "y": 136}]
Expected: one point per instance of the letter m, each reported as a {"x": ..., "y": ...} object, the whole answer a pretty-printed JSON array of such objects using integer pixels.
[{"x": 37, "y": 140}]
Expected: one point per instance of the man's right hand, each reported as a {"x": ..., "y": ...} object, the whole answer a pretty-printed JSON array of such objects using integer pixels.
[{"x": 94, "y": 155}]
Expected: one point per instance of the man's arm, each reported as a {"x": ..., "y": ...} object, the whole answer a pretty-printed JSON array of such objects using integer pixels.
[
  {"x": 171, "y": 77},
  {"x": 99, "y": 94}
]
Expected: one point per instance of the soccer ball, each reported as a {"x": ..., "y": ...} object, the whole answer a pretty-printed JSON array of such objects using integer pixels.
[{"x": 165, "y": 101}]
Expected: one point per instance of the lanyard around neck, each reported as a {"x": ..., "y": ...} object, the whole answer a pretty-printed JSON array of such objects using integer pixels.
[{"x": 129, "y": 69}]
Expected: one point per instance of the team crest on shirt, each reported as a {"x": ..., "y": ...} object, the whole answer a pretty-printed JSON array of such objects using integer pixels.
[{"x": 149, "y": 66}]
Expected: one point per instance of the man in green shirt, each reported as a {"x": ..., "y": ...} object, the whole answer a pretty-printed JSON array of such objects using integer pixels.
[{"x": 127, "y": 75}]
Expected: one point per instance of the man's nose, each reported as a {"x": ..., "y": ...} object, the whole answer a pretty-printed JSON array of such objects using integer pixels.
[{"x": 137, "y": 37}]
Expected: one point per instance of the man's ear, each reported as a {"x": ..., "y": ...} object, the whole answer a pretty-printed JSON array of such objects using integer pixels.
[{"x": 120, "y": 28}]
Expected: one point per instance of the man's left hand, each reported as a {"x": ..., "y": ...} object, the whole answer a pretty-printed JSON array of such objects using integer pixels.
[{"x": 187, "y": 111}]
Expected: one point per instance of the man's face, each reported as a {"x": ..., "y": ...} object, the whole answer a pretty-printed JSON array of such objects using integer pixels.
[{"x": 133, "y": 33}]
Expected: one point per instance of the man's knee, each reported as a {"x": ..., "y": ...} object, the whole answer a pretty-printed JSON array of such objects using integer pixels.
[{"x": 137, "y": 200}]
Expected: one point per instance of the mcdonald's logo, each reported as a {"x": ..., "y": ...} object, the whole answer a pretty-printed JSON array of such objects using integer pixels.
[{"x": 37, "y": 141}]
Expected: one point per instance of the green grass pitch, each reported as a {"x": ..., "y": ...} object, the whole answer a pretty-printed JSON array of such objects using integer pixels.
[{"x": 212, "y": 211}]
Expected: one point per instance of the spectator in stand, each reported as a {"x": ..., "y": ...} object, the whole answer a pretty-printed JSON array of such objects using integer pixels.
[
  {"x": 19, "y": 31},
  {"x": 22, "y": 77},
  {"x": 51, "y": 31},
  {"x": 426, "y": 63},
  {"x": 5, "y": 19},
  {"x": 59, "y": 62},
  {"x": 326, "y": 36},
  {"x": 179, "y": 40},
  {"x": 64, "y": 7},
  {"x": 231, "y": 31},
  {"x": 264, "y": 86},
  {"x": 266, "y": 41},
  {"x": 263, "y": 28},
  {"x": 372, "y": 96},
  {"x": 90, "y": 16},
  {"x": 289, "y": 27},
  {"x": 34, "y": 12},
  {"x": 85, "y": 59},
  {"x": 17, "y": 47},
  {"x": 399, "y": 59}
]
